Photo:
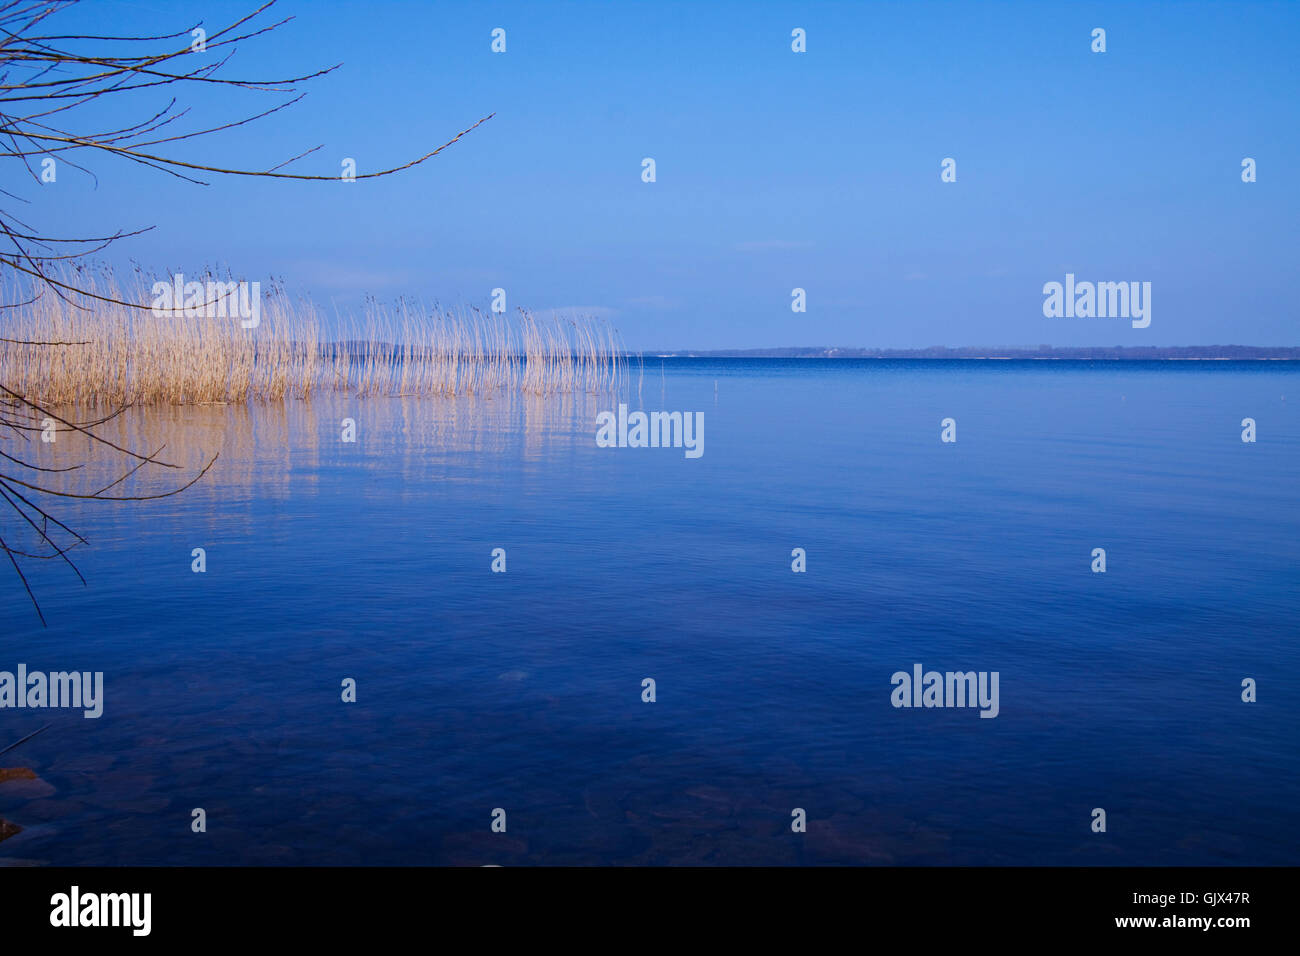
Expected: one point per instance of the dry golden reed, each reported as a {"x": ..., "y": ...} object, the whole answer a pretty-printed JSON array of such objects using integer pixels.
[{"x": 117, "y": 355}]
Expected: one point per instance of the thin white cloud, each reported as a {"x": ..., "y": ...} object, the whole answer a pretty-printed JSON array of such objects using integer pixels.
[
  {"x": 340, "y": 277},
  {"x": 661, "y": 302},
  {"x": 576, "y": 312}
]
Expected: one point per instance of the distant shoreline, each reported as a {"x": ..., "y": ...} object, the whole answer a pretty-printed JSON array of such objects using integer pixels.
[{"x": 1196, "y": 353}]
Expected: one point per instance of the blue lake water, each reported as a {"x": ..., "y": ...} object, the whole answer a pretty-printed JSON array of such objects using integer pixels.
[{"x": 476, "y": 690}]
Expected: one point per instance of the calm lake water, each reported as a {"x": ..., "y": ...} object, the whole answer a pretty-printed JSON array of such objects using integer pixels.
[{"x": 523, "y": 691}]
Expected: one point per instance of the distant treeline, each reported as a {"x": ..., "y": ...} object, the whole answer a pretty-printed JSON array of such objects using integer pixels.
[{"x": 1138, "y": 352}]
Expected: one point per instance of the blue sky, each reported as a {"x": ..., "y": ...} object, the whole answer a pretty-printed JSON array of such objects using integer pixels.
[{"x": 775, "y": 170}]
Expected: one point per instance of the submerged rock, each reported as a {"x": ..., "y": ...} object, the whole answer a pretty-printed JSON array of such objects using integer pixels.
[{"x": 23, "y": 783}]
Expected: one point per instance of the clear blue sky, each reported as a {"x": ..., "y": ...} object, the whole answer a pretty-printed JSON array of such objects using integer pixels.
[{"x": 775, "y": 169}]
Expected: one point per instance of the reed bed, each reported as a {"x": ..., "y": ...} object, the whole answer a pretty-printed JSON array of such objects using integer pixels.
[{"x": 117, "y": 355}]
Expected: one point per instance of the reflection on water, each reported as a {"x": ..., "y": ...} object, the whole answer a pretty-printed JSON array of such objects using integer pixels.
[
  {"x": 255, "y": 441},
  {"x": 371, "y": 560}
]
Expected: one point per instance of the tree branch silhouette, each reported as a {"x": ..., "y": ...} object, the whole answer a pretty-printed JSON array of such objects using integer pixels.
[{"x": 53, "y": 88}]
